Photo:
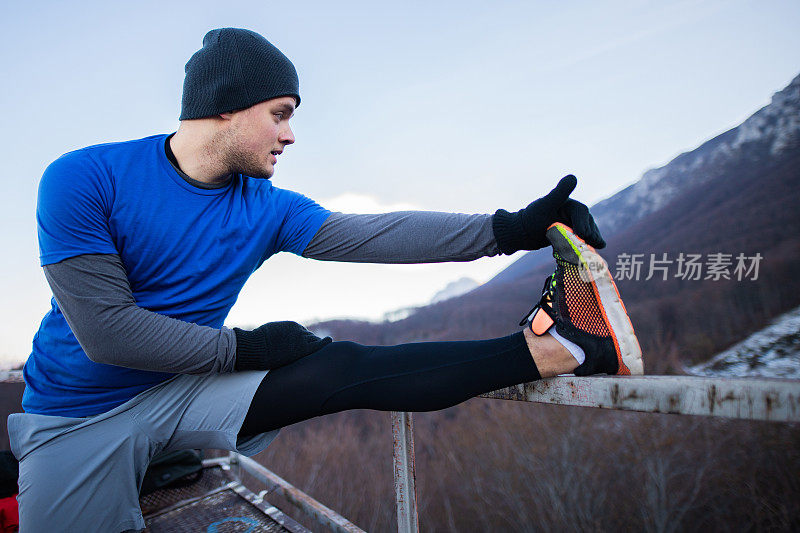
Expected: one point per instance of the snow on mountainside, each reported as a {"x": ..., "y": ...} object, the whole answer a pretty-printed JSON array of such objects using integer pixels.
[
  {"x": 773, "y": 352},
  {"x": 452, "y": 290},
  {"x": 772, "y": 129},
  {"x": 455, "y": 288}
]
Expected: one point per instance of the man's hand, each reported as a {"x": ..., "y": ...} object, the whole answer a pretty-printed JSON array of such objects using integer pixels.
[
  {"x": 275, "y": 344},
  {"x": 525, "y": 229}
]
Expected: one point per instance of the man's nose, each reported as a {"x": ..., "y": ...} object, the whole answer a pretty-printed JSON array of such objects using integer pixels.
[{"x": 287, "y": 135}]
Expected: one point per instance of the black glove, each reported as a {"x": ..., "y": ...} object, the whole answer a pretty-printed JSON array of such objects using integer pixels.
[
  {"x": 526, "y": 229},
  {"x": 275, "y": 344}
]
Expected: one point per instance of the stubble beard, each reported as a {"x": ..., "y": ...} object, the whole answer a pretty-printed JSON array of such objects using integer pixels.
[{"x": 236, "y": 160}]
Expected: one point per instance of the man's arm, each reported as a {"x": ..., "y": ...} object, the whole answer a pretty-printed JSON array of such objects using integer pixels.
[
  {"x": 93, "y": 293},
  {"x": 432, "y": 237},
  {"x": 95, "y": 297},
  {"x": 403, "y": 237}
]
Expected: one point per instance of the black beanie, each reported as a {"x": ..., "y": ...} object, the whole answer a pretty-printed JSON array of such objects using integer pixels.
[{"x": 233, "y": 70}]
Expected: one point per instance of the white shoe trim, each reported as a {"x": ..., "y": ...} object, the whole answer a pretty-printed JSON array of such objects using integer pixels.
[{"x": 594, "y": 267}]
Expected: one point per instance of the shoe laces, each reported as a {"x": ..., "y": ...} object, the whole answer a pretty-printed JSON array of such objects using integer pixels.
[{"x": 545, "y": 301}]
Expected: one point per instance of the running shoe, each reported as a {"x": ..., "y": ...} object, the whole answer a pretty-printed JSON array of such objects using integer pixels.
[{"x": 582, "y": 301}]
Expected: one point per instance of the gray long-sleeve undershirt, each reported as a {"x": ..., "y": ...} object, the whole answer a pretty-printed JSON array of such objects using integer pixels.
[
  {"x": 94, "y": 293},
  {"x": 403, "y": 237}
]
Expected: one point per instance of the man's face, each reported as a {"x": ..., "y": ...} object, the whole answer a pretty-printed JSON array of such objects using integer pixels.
[{"x": 254, "y": 138}]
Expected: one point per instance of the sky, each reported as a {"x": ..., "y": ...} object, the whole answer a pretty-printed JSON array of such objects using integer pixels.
[{"x": 454, "y": 106}]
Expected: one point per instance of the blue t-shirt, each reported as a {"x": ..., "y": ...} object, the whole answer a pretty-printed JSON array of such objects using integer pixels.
[{"x": 187, "y": 252}]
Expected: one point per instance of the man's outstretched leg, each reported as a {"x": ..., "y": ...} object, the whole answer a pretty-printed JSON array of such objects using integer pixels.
[
  {"x": 424, "y": 376},
  {"x": 580, "y": 324}
]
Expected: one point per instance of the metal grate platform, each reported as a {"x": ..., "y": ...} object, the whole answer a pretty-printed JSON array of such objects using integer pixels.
[
  {"x": 216, "y": 503},
  {"x": 213, "y": 478},
  {"x": 221, "y": 511}
]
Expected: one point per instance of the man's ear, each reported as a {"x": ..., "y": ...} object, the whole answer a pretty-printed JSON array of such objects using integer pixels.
[{"x": 226, "y": 116}]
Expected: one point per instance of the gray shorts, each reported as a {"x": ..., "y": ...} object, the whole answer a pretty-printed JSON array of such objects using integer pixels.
[{"x": 84, "y": 474}]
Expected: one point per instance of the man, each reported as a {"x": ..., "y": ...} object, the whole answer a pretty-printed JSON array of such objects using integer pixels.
[{"x": 146, "y": 245}]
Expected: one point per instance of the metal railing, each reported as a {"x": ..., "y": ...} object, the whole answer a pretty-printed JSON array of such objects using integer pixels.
[
  {"x": 299, "y": 499},
  {"x": 775, "y": 400}
]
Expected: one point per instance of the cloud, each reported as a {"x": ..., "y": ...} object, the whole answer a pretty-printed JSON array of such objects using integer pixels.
[{"x": 350, "y": 202}]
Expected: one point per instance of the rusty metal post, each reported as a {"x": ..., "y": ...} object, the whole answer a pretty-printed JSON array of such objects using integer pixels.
[{"x": 405, "y": 487}]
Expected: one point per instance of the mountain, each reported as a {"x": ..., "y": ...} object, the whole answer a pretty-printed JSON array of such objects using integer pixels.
[
  {"x": 455, "y": 288},
  {"x": 736, "y": 195},
  {"x": 451, "y": 290},
  {"x": 769, "y": 133}
]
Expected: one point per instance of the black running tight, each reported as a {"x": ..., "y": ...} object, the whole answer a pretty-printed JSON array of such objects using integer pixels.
[{"x": 423, "y": 376}]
